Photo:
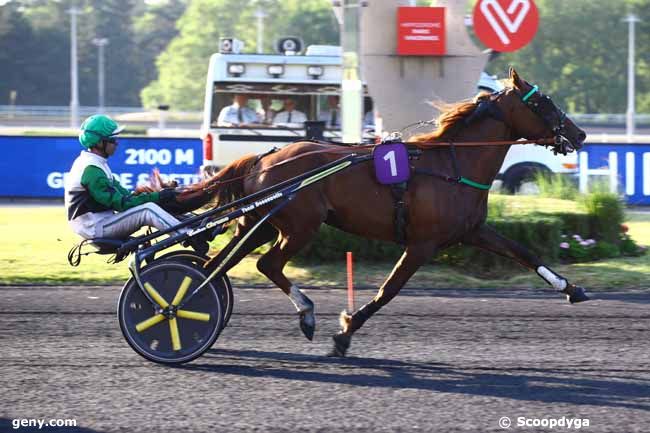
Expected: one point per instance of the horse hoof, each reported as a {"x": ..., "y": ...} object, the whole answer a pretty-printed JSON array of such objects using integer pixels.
[
  {"x": 575, "y": 294},
  {"x": 308, "y": 324},
  {"x": 341, "y": 345}
]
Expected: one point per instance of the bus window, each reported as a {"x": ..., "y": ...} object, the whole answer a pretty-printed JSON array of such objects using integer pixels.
[
  {"x": 266, "y": 109},
  {"x": 368, "y": 114},
  {"x": 329, "y": 111}
]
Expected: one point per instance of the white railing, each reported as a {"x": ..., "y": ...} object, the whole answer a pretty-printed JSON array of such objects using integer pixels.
[
  {"x": 609, "y": 119},
  {"x": 61, "y": 111},
  {"x": 47, "y": 111}
]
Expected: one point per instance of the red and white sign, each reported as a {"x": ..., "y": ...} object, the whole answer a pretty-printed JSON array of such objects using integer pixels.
[
  {"x": 421, "y": 31},
  {"x": 506, "y": 25}
]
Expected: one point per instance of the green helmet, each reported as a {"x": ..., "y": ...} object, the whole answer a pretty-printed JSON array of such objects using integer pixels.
[{"x": 97, "y": 127}]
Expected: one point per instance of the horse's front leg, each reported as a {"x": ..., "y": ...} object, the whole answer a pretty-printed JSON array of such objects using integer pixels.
[
  {"x": 414, "y": 256},
  {"x": 488, "y": 239}
]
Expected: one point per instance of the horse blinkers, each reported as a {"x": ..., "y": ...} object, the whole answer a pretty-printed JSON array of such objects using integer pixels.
[{"x": 553, "y": 117}]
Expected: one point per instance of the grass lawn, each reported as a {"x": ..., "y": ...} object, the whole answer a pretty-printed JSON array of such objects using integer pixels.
[{"x": 36, "y": 240}]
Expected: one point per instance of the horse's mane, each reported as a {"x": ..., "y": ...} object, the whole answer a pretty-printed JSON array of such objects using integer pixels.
[{"x": 450, "y": 115}]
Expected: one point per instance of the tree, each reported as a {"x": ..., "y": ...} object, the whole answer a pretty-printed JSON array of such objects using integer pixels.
[
  {"x": 112, "y": 19},
  {"x": 182, "y": 67},
  {"x": 154, "y": 28},
  {"x": 29, "y": 56},
  {"x": 579, "y": 55},
  {"x": 35, "y": 48}
]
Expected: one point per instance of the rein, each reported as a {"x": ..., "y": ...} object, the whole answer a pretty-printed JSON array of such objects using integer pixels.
[
  {"x": 555, "y": 141},
  {"x": 420, "y": 145}
]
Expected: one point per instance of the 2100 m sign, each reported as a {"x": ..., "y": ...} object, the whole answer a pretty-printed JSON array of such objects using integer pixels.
[{"x": 158, "y": 156}]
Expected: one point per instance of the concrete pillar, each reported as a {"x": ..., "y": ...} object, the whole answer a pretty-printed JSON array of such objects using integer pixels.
[{"x": 403, "y": 86}]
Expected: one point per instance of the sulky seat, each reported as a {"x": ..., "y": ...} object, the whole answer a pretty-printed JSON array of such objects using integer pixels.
[{"x": 107, "y": 245}]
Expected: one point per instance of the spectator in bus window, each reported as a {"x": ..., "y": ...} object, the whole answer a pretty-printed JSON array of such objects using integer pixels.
[
  {"x": 97, "y": 205},
  {"x": 369, "y": 117},
  {"x": 266, "y": 113},
  {"x": 290, "y": 116},
  {"x": 369, "y": 120},
  {"x": 331, "y": 116},
  {"x": 238, "y": 113}
]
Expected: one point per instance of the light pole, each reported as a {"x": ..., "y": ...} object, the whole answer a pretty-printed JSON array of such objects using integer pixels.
[
  {"x": 351, "y": 85},
  {"x": 631, "y": 19},
  {"x": 260, "y": 15},
  {"x": 74, "y": 81},
  {"x": 100, "y": 43}
]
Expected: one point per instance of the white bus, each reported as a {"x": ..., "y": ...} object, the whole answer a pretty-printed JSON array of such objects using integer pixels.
[{"x": 265, "y": 83}]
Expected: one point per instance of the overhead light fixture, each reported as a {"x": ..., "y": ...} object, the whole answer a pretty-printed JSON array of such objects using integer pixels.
[
  {"x": 236, "y": 69},
  {"x": 275, "y": 70},
  {"x": 230, "y": 46},
  {"x": 314, "y": 71}
]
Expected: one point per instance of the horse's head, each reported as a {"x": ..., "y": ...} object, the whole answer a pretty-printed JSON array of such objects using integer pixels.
[{"x": 533, "y": 116}]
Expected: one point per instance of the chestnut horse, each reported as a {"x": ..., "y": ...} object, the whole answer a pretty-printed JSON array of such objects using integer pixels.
[{"x": 440, "y": 211}]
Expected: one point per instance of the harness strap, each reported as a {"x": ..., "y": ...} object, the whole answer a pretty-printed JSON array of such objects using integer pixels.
[
  {"x": 452, "y": 179},
  {"x": 468, "y": 182},
  {"x": 401, "y": 214},
  {"x": 530, "y": 93},
  {"x": 262, "y": 155},
  {"x": 454, "y": 163}
]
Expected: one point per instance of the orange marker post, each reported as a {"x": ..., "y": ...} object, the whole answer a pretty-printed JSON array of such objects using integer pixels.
[{"x": 350, "y": 283}]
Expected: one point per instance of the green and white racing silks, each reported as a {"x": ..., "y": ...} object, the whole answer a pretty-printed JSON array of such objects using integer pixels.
[{"x": 92, "y": 193}]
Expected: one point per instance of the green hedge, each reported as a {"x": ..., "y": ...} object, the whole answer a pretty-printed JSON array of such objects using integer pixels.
[
  {"x": 542, "y": 233},
  {"x": 539, "y": 232}
]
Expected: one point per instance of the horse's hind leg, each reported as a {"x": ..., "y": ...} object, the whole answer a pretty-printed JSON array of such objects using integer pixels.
[
  {"x": 272, "y": 263},
  {"x": 265, "y": 233},
  {"x": 487, "y": 238},
  {"x": 414, "y": 256}
]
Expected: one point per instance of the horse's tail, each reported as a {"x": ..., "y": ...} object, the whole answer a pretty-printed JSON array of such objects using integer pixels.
[{"x": 228, "y": 184}]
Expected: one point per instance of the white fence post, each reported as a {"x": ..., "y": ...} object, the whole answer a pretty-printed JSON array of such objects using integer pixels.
[
  {"x": 584, "y": 173},
  {"x": 613, "y": 172},
  {"x": 646, "y": 173},
  {"x": 630, "y": 173}
]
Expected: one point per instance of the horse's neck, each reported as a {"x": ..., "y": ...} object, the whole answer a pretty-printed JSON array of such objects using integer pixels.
[{"x": 482, "y": 163}]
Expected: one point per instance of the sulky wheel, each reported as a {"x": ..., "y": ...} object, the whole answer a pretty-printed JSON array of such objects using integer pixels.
[
  {"x": 160, "y": 331},
  {"x": 223, "y": 286}
]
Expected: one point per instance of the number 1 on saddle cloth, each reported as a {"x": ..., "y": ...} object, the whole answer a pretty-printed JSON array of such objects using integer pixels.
[{"x": 391, "y": 163}]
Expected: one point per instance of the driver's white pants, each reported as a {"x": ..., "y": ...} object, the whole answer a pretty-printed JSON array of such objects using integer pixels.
[{"x": 121, "y": 225}]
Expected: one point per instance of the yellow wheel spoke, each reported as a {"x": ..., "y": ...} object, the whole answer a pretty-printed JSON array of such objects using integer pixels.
[
  {"x": 193, "y": 315},
  {"x": 182, "y": 290},
  {"x": 176, "y": 339},
  {"x": 155, "y": 295},
  {"x": 146, "y": 324}
]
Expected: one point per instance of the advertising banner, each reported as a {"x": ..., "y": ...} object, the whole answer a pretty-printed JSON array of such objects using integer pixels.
[
  {"x": 421, "y": 31},
  {"x": 630, "y": 163},
  {"x": 37, "y": 166}
]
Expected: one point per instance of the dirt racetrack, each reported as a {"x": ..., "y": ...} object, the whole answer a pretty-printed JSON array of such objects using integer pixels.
[{"x": 433, "y": 360}]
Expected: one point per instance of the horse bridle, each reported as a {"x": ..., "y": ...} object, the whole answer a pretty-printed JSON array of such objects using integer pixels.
[{"x": 554, "y": 118}]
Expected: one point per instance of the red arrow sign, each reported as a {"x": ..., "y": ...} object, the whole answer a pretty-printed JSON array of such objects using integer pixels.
[{"x": 506, "y": 25}]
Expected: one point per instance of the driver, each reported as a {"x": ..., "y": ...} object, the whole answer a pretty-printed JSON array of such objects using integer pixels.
[{"x": 97, "y": 205}]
